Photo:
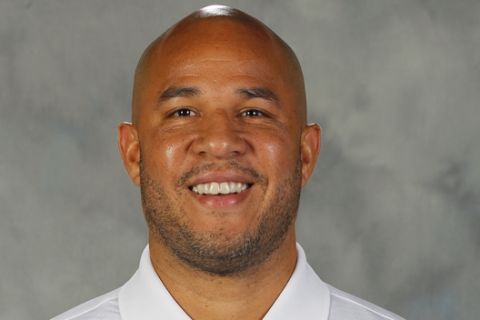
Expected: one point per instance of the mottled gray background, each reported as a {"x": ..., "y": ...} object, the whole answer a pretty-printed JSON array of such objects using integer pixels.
[{"x": 392, "y": 213}]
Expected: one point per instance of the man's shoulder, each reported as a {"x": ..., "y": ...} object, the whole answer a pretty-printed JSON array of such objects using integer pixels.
[
  {"x": 102, "y": 307},
  {"x": 346, "y": 306}
]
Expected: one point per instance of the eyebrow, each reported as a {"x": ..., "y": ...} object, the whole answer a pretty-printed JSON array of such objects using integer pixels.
[
  {"x": 258, "y": 92},
  {"x": 248, "y": 93},
  {"x": 175, "y": 92}
]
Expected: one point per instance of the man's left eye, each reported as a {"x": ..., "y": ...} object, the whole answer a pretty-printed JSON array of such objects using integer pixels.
[
  {"x": 252, "y": 113},
  {"x": 183, "y": 112}
]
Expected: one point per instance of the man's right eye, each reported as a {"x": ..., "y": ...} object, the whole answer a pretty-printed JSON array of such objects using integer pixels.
[{"x": 183, "y": 112}]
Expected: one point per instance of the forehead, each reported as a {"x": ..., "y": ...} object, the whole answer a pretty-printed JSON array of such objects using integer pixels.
[
  {"x": 220, "y": 47},
  {"x": 218, "y": 32}
]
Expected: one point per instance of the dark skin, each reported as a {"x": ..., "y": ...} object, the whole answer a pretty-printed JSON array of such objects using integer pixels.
[{"x": 219, "y": 88}]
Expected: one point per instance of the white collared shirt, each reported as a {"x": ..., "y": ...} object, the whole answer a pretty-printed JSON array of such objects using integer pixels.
[{"x": 144, "y": 297}]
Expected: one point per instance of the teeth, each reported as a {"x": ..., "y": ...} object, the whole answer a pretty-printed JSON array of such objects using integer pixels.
[
  {"x": 219, "y": 188},
  {"x": 214, "y": 188},
  {"x": 224, "y": 188}
]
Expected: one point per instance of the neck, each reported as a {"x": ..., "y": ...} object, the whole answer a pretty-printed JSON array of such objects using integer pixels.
[{"x": 248, "y": 295}]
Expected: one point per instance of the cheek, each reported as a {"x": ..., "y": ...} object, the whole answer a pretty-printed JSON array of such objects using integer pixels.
[
  {"x": 171, "y": 154},
  {"x": 164, "y": 154},
  {"x": 278, "y": 152}
]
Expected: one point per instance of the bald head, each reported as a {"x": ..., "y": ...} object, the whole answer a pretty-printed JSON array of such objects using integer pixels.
[{"x": 212, "y": 33}]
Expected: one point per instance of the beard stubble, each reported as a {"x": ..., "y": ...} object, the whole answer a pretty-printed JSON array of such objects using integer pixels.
[{"x": 214, "y": 252}]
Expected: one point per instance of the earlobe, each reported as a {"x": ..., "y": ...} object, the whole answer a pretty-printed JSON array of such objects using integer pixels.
[
  {"x": 129, "y": 148},
  {"x": 310, "y": 149}
]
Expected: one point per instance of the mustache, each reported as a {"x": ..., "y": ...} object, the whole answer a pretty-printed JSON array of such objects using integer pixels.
[{"x": 230, "y": 165}]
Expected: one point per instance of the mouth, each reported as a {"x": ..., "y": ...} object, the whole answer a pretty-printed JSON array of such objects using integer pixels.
[
  {"x": 224, "y": 189},
  {"x": 220, "y": 188}
]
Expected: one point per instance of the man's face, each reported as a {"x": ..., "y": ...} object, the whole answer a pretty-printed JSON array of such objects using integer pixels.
[{"x": 221, "y": 150}]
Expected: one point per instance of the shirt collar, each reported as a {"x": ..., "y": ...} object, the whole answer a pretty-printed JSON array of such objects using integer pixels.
[
  {"x": 144, "y": 297},
  {"x": 305, "y": 296}
]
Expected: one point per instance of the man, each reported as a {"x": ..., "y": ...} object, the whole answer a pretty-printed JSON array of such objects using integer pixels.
[{"x": 220, "y": 148}]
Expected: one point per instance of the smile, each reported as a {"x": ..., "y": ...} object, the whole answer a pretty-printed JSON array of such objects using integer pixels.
[{"x": 223, "y": 188}]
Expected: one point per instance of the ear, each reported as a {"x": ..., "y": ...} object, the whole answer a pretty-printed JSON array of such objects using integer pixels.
[
  {"x": 310, "y": 148},
  {"x": 129, "y": 148}
]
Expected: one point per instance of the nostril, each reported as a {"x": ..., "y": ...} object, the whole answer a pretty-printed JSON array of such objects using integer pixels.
[{"x": 219, "y": 144}]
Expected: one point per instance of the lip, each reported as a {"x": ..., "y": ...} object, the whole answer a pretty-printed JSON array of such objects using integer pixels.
[
  {"x": 224, "y": 176},
  {"x": 222, "y": 201}
]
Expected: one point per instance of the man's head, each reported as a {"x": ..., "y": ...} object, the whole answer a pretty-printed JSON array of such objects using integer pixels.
[{"x": 218, "y": 142}]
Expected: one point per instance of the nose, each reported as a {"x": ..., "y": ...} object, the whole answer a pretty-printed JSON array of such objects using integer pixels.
[{"x": 219, "y": 137}]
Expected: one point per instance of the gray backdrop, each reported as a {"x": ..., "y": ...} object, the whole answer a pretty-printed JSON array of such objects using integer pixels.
[{"x": 392, "y": 213}]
